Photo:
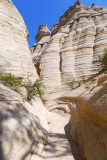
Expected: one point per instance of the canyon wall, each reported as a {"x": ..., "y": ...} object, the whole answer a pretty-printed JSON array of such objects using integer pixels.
[
  {"x": 14, "y": 51},
  {"x": 23, "y": 125},
  {"x": 67, "y": 52},
  {"x": 88, "y": 105},
  {"x": 70, "y": 49}
]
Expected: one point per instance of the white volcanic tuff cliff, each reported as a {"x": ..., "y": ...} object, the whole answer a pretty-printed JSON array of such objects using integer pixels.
[
  {"x": 23, "y": 125},
  {"x": 72, "y": 48},
  {"x": 14, "y": 51}
]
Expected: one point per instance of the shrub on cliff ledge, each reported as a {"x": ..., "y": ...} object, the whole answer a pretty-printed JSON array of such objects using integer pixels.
[
  {"x": 103, "y": 59},
  {"x": 71, "y": 84},
  {"x": 74, "y": 84},
  {"x": 33, "y": 89},
  {"x": 10, "y": 80}
]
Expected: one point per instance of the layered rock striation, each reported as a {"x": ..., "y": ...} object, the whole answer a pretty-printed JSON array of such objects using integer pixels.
[
  {"x": 70, "y": 51},
  {"x": 67, "y": 52},
  {"x": 14, "y": 51},
  {"x": 25, "y": 127}
]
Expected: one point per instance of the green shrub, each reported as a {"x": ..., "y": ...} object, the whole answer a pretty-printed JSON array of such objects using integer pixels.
[
  {"x": 34, "y": 89},
  {"x": 10, "y": 80},
  {"x": 103, "y": 59},
  {"x": 74, "y": 84},
  {"x": 71, "y": 84}
]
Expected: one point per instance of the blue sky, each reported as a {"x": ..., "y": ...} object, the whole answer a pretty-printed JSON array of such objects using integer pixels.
[{"x": 37, "y": 12}]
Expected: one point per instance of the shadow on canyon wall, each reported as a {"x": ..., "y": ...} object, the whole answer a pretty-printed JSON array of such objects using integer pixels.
[
  {"x": 17, "y": 124},
  {"x": 73, "y": 146}
]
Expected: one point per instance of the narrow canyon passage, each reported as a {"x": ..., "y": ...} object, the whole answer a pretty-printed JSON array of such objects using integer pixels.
[{"x": 58, "y": 147}]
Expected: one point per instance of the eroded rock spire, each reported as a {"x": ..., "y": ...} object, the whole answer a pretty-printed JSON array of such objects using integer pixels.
[{"x": 77, "y": 2}]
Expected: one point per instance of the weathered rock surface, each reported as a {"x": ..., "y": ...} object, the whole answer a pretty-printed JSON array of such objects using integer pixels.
[
  {"x": 89, "y": 119},
  {"x": 43, "y": 31},
  {"x": 23, "y": 127},
  {"x": 14, "y": 51},
  {"x": 72, "y": 49},
  {"x": 28, "y": 131},
  {"x": 58, "y": 146}
]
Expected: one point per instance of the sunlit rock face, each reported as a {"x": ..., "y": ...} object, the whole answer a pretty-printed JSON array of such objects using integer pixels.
[
  {"x": 70, "y": 52},
  {"x": 89, "y": 118},
  {"x": 43, "y": 31},
  {"x": 14, "y": 51}
]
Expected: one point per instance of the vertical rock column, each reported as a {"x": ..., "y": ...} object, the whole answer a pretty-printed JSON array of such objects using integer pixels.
[
  {"x": 77, "y": 50},
  {"x": 50, "y": 67}
]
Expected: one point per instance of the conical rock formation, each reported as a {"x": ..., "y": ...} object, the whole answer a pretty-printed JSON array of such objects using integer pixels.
[
  {"x": 71, "y": 51},
  {"x": 14, "y": 51}
]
